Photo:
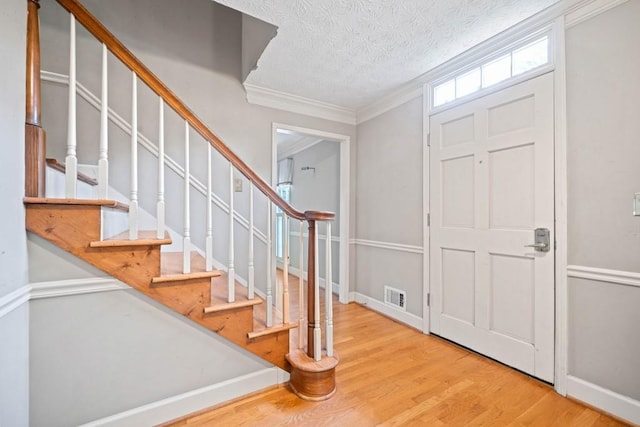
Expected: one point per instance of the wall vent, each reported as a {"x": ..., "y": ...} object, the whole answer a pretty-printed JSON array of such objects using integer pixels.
[{"x": 395, "y": 297}]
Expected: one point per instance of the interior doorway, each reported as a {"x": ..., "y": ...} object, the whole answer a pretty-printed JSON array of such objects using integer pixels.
[{"x": 310, "y": 168}]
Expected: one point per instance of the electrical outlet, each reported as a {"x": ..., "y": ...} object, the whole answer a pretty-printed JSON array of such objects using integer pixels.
[
  {"x": 237, "y": 185},
  {"x": 636, "y": 204}
]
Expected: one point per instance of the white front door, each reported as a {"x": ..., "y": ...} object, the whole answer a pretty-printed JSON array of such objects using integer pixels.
[{"x": 491, "y": 186}]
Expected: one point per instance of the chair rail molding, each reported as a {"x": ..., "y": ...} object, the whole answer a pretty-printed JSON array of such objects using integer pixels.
[
  {"x": 617, "y": 277},
  {"x": 400, "y": 247},
  {"x": 13, "y": 300}
]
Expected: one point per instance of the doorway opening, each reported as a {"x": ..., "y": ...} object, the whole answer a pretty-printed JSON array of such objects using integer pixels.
[{"x": 311, "y": 168}]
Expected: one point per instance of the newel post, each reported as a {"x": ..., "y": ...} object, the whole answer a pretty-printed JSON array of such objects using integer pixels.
[
  {"x": 313, "y": 374},
  {"x": 311, "y": 291},
  {"x": 35, "y": 148}
]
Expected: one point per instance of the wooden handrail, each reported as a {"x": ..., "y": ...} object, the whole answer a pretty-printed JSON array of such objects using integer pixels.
[{"x": 101, "y": 33}]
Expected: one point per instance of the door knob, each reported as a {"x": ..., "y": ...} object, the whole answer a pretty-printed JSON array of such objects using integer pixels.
[{"x": 542, "y": 240}]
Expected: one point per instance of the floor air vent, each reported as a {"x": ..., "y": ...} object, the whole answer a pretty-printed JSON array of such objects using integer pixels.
[{"x": 395, "y": 297}]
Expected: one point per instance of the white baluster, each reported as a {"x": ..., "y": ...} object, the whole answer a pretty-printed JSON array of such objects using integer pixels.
[
  {"x": 328, "y": 289},
  {"x": 317, "y": 337},
  {"x": 302, "y": 324},
  {"x": 186, "y": 241},
  {"x": 160, "y": 207},
  {"x": 269, "y": 303},
  {"x": 133, "y": 204},
  {"x": 251, "y": 289},
  {"x": 231, "y": 271},
  {"x": 209, "y": 238},
  {"x": 103, "y": 159},
  {"x": 71, "y": 161},
  {"x": 285, "y": 268}
]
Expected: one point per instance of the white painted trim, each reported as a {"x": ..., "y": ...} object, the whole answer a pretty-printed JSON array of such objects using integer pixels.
[
  {"x": 298, "y": 147},
  {"x": 561, "y": 213},
  {"x": 61, "y": 288},
  {"x": 399, "y": 315},
  {"x": 345, "y": 193},
  {"x": 545, "y": 18},
  {"x": 177, "y": 406},
  {"x": 426, "y": 211},
  {"x": 590, "y": 10},
  {"x": 320, "y": 236},
  {"x": 298, "y": 104},
  {"x": 605, "y": 399},
  {"x": 389, "y": 245},
  {"x": 13, "y": 300},
  {"x": 618, "y": 277},
  {"x": 152, "y": 148},
  {"x": 388, "y": 103}
]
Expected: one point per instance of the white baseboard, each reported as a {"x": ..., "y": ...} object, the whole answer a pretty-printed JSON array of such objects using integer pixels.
[
  {"x": 602, "y": 398},
  {"x": 177, "y": 406},
  {"x": 13, "y": 300},
  {"x": 399, "y": 315}
]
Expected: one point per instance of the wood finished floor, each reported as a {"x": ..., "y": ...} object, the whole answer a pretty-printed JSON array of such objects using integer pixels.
[{"x": 393, "y": 375}]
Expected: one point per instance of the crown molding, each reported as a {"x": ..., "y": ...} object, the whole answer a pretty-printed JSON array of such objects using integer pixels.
[
  {"x": 258, "y": 95},
  {"x": 389, "y": 102},
  {"x": 575, "y": 12},
  {"x": 589, "y": 10}
]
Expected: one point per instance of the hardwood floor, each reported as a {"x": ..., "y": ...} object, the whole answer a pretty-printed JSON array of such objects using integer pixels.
[{"x": 393, "y": 375}]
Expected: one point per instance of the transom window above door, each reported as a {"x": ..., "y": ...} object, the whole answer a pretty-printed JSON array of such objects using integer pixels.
[{"x": 526, "y": 57}]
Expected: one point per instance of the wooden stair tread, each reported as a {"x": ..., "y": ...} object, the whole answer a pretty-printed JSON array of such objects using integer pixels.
[
  {"x": 60, "y": 167},
  {"x": 232, "y": 305},
  {"x": 114, "y": 204},
  {"x": 171, "y": 268},
  {"x": 271, "y": 330},
  {"x": 145, "y": 238}
]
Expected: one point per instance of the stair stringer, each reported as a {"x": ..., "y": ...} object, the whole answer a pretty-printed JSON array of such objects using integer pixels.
[{"x": 74, "y": 227}]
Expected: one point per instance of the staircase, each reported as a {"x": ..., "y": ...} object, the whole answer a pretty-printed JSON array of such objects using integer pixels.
[{"x": 272, "y": 327}]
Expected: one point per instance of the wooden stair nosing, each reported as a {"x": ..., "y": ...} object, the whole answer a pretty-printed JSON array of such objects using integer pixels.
[
  {"x": 231, "y": 305},
  {"x": 272, "y": 330},
  {"x": 144, "y": 241},
  {"x": 114, "y": 204},
  {"x": 186, "y": 276},
  {"x": 61, "y": 167}
]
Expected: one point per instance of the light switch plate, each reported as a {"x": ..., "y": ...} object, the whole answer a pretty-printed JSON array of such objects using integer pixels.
[
  {"x": 237, "y": 185},
  {"x": 636, "y": 204}
]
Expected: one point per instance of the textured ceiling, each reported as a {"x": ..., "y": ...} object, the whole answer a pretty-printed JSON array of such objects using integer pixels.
[{"x": 352, "y": 52}]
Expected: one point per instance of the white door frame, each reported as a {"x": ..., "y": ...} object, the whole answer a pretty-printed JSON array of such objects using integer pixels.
[
  {"x": 345, "y": 197},
  {"x": 557, "y": 28}
]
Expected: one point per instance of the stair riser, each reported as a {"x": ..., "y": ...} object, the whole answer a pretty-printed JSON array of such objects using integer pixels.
[{"x": 234, "y": 325}]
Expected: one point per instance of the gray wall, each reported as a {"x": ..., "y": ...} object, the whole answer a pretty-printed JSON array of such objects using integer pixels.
[
  {"x": 117, "y": 352},
  {"x": 603, "y": 101},
  {"x": 196, "y": 51},
  {"x": 389, "y": 202},
  {"x": 317, "y": 190},
  {"x": 14, "y": 338}
]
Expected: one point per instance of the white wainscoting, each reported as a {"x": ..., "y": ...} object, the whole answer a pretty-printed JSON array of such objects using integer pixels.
[
  {"x": 604, "y": 399},
  {"x": 162, "y": 410},
  {"x": 177, "y": 406},
  {"x": 604, "y": 275},
  {"x": 388, "y": 245},
  {"x": 593, "y": 394},
  {"x": 13, "y": 300}
]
